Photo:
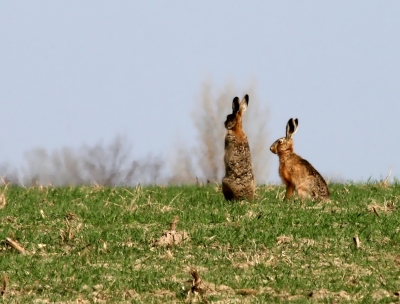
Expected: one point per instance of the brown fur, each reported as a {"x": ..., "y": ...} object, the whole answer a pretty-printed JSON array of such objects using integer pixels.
[
  {"x": 297, "y": 173},
  {"x": 238, "y": 181}
]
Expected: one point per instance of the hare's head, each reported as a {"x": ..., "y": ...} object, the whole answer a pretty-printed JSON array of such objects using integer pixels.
[
  {"x": 285, "y": 143},
  {"x": 235, "y": 119}
]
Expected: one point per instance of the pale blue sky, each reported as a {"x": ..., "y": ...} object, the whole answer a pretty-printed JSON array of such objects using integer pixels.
[{"x": 74, "y": 72}]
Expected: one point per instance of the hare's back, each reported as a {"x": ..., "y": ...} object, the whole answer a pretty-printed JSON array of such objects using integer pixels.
[{"x": 318, "y": 183}]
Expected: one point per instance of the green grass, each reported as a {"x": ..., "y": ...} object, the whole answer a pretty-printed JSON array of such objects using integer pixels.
[{"x": 89, "y": 244}]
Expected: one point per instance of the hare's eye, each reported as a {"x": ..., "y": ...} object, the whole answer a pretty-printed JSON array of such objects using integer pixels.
[{"x": 280, "y": 141}]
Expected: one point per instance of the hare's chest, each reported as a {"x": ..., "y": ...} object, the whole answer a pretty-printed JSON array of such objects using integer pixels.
[{"x": 286, "y": 172}]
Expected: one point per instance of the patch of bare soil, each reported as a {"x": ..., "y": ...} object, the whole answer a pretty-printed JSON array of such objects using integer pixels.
[
  {"x": 171, "y": 237},
  {"x": 324, "y": 294},
  {"x": 380, "y": 294},
  {"x": 164, "y": 293},
  {"x": 130, "y": 294},
  {"x": 387, "y": 207},
  {"x": 246, "y": 291},
  {"x": 283, "y": 239}
]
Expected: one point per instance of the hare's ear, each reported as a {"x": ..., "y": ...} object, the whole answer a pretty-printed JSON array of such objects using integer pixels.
[
  {"x": 235, "y": 105},
  {"x": 244, "y": 103},
  {"x": 291, "y": 127}
]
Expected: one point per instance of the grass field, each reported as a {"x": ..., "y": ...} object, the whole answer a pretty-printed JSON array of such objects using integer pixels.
[{"x": 104, "y": 245}]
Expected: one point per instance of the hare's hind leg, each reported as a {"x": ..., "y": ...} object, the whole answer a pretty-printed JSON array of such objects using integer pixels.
[
  {"x": 304, "y": 194},
  {"x": 227, "y": 190},
  {"x": 289, "y": 190}
]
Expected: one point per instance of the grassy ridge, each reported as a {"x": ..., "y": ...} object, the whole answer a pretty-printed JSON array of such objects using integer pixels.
[{"x": 97, "y": 245}]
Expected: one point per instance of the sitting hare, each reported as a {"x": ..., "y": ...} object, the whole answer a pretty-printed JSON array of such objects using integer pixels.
[
  {"x": 239, "y": 180},
  {"x": 297, "y": 173}
]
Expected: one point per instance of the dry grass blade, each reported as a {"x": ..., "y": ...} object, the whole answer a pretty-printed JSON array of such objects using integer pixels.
[
  {"x": 4, "y": 181},
  {"x": 174, "y": 198},
  {"x": 3, "y": 201},
  {"x": 15, "y": 245},
  {"x": 385, "y": 182}
]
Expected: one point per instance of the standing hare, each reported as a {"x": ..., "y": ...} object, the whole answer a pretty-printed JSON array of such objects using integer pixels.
[
  {"x": 239, "y": 180},
  {"x": 297, "y": 173}
]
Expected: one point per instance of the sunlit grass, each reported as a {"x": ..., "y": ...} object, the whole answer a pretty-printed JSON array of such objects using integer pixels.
[{"x": 95, "y": 244}]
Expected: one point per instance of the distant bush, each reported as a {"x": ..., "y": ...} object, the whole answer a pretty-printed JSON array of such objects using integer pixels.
[{"x": 101, "y": 164}]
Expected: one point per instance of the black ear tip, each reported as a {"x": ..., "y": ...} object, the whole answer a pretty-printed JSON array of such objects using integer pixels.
[
  {"x": 296, "y": 121},
  {"x": 235, "y": 104},
  {"x": 247, "y": 98}
]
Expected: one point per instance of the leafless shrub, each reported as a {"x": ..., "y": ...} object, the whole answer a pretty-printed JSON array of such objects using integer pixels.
[
  {"x": 105, "y": 165},
  {"x": 205, "y": 160}
]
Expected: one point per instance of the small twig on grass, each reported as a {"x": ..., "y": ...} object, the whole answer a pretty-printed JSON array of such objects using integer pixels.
[
  {"x": 357, "y": 242},
  {"x": 15, "y": 245},
  {"x": 3, "y": 289},
  {"x": 82, "y": 249},
  {"x": 375, "y": 211}
]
